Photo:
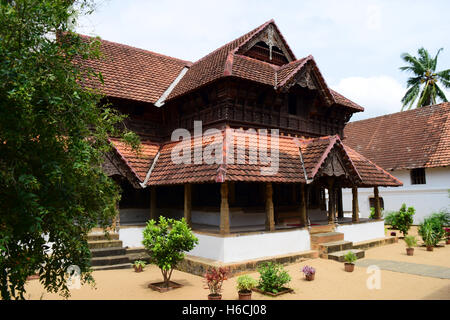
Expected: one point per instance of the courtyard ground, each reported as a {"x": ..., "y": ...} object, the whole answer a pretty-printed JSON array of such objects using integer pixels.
[{"x": 331, "y": 281}]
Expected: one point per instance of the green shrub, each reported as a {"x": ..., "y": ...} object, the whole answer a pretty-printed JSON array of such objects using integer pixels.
[
  {"x": 432, "y": 228},
  {"x": 272, "y": 277},
  {"x": 166, "y": 243},
  {"x": 402, "y": 219},
  {"x": 246, "y": 283},
  {"x": 372, "y": 213},
  {"x": 350, "y": 257},
  {"x": 443, "y": 216},
  {"x": 411, "y": 241}
]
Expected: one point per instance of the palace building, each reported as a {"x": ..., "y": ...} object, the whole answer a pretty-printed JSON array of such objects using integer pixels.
[{"x": 251, "y": 93}]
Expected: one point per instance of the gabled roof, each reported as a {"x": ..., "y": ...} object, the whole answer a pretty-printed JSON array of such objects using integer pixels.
[
  {"x": 142, "y": 75},
  {"x": 418, "y": 138},
  {"x": 133, "y": 73},
  {"x": 299, "y": 161}
]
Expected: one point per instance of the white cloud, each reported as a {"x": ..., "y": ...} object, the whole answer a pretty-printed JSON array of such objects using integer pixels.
[{"x": 378, "y": 95}]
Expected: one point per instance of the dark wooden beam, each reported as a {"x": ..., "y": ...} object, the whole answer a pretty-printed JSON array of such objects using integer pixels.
[
  {"x": 355, "y": 206},
  {"x": 188, "y": 203},
  {"x": 303, "y": 213},
  {"x": 377, "y": 203},
  {"x": 224, "y": 210},
  {"x": 270, "y": 218}
]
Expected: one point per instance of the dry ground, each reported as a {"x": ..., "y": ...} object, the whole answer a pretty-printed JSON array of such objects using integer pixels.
[{"x": 331, "y": 281}]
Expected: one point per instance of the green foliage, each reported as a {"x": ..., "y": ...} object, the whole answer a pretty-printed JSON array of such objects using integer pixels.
[
  {"x": 140, "y": 263},
  {"x": 443, "y": 216},
  {"x": 53, "y": 137},
  {"x": 350, "y": 257},
  {"x": 402, "y": 219},
  {"x": 423, "y": 85},
  {"x": 166, "y": 242},
  {"x": 410, "y": 241},
  {"x": 372, "y": 213},
  {"x": 272, "y": 277},
  {"x": 246, "y": 283},
  {"x": 432, "y": 228}
]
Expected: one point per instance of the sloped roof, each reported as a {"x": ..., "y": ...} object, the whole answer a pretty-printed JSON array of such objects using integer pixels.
[
  {"x": 142, "y": 75},
  {"x": 133, "y": 73},
  {"x": 292, "y": 163},
  {"x": 418, "y": 138}
]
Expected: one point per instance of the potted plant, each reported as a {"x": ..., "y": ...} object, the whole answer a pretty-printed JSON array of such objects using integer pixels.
[
  {"x": 245, "y": 284},
  {"x": 273, "y": 279},
  {"x": 139, "y": 265},
  {"x": 309, "y": 272},
  {"x": 411, "y": 242},
  {"x": 350, "y": 257},
  {"x": 214, "y": 279},
  {"x": 428, "y": 235},
  {"x": 447, "y": 232}
]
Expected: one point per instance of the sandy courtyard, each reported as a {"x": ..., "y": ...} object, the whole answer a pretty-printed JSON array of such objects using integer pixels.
[{"x": 331, "y": 281}]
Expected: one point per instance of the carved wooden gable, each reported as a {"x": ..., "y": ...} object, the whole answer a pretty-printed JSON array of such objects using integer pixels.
[
  {"x": 267, "y": 46},
  {"x": 334, "y": 165}
]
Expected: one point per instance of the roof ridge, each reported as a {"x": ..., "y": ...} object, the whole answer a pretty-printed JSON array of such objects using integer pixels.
[
  {"x": 230, "y": 42},
  {"x": 187, "y": 62},
  {"x": 296, "y": 69},
  {"x": 438, "y": 105}
]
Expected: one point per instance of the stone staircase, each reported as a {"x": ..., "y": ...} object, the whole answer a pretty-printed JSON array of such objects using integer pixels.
[
  {"x": 107, "y": 253},
  {"x": 331, "y": 245}
]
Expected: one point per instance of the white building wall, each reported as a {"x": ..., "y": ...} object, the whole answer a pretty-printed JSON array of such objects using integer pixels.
[
  {"x": 425, "y": 198},
  {"x": 362, "y": 231},
  {"x": 247, "y": 247}
]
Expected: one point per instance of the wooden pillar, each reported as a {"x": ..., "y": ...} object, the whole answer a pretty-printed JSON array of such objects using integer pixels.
[
  {"x": 377, "y": 203},
  {"x": 187, "y": 204},
  {"x": 153, "y": 214},
  {"x": 303, "y": 217},
  {"x": 331, "y": 201},
  {"x": 224, "y": 209},
  {"x": 270, "y": 218},
  {"x": 340, "y": 207},
  {"x": 355, "y": 206}
]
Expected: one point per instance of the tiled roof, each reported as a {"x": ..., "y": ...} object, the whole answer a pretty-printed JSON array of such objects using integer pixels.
[
  {"x": 290, "y": 167},
  {"x": 138, "y": 163},
  {"x": 418, "y": 138},
  {"x": 142, "y": 75},
  {"x": 133, "y": 73}
]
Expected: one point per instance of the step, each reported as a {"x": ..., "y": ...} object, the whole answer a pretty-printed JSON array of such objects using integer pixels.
[
  {"x": 339, "y": 255},
  {"x": 108, "y": 261},
  {"x": 322, "y": 228},
  {"x": 102, "y": 236},
  {"x": 105, "y": 244},
  {"x": 105, "y": 252},
  {"x": 325, "y": 237},
  {"x": 335, "y": 246},
  {"x": 113, "y": 267}
]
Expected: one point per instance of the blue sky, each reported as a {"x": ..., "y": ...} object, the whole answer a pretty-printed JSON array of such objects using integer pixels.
[{"x": 356, "y": 44}]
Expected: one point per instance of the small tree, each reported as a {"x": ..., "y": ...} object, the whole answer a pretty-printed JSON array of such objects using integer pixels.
[{"x": 166, "y": 243}]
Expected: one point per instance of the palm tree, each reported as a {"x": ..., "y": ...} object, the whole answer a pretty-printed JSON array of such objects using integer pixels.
[{"x": 424, "y": 83}]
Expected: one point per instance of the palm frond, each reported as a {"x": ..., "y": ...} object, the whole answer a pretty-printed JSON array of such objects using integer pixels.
[
  {"x": 413, "y": 81},
  {"x": 424, "y": 58},
  {"x": 410, "y": 96},
  {"x": 446, "y": 83},
  {"x": 415, "y": 65},
  {"x": 441, "y": 94},
  {"x": 424, "y": 98},
  {"x": 444, "y": 74},
  {"x": 433, "y": 66}
]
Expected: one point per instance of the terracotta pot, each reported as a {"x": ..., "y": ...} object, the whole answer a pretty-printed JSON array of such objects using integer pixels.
[
  {"x": 393, "y": 234},
  {"x": 410, "y": 251},
  {"x": 429, "y": 248},
  {"x": 448, "y": 241},
  {"x": 214, "y": 296},
  {"x": 245, "y": 295},
  {"x": 349, "y": 267},
  {"x": 310, "y": 277},
  {"x": 138, "y": 269}
]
